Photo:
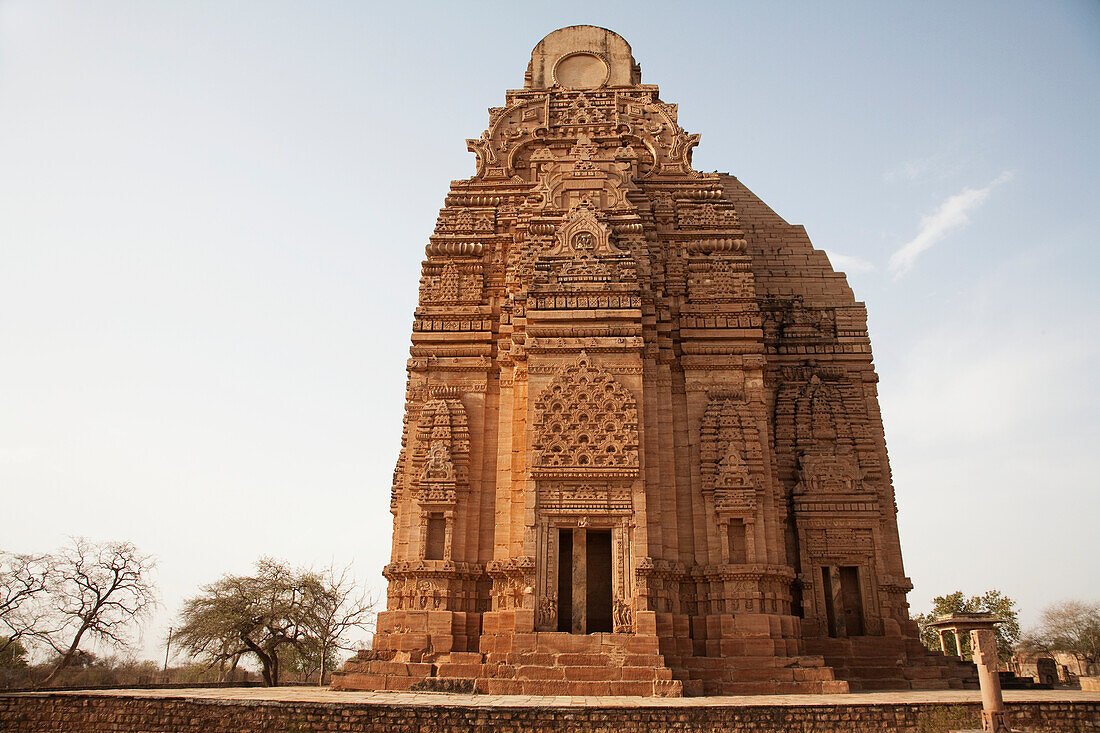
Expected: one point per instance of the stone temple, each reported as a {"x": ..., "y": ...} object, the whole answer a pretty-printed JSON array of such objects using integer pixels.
[{"x": 642, "y": 451}]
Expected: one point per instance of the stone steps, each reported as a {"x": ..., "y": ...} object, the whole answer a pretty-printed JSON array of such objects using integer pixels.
[
  {"x": 930, "y": 684},
  {"x": 746, "y": 662},
  {"x": 778, "y": 688},
  {"x": 892, "y": 663},
  {"x": 753, "y": 675},
  {"x": 560, "y": 665},
  {"x": 862, "y": 684}
]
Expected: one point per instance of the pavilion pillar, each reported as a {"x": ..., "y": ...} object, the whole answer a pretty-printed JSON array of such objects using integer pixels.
[
  {"x": 983, "y": 646},
  {"x": 983, "y": 643}
]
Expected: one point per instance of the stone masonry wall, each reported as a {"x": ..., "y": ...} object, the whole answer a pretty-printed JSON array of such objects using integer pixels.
[{"x": 75, "y": 713}]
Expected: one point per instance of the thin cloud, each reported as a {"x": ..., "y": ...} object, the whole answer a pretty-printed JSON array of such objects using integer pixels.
[
  {"x": 848, "y": 263},
  {"x": 938, "y": 166},
  {"x": 910, "y": 170},
  {"x": 951, "y": 214}
]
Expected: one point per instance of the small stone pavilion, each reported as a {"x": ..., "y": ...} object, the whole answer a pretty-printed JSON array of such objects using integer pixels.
[{"x": 642, "y": 451}]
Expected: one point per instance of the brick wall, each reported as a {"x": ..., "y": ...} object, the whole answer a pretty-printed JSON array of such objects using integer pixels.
[{"x": 74, "y": 713}]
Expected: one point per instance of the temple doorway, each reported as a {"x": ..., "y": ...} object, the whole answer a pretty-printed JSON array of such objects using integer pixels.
[
  {"x": 584, "y": 580},
  {"x": 843, "y": 600},
  {"x": 852, "y": 600}
]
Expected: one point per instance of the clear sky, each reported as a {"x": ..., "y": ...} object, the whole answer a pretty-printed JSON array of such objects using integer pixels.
[{"x": 212, "y": 218}]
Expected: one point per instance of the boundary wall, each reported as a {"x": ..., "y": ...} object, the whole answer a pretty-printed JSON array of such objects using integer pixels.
[{"x": 136, "y": 713}]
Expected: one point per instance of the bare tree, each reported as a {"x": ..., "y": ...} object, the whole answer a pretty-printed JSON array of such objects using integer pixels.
[
  {"x": 283, "y": 616},
  {"x": 1072, "y": 627},
  {"x": 342, "y": 607},
  {"x": 250, "y": 614},
  {"x": 24, "y": 587},
  {"x": 100, "y": 591},
  {"x": 228, "y": 658}
]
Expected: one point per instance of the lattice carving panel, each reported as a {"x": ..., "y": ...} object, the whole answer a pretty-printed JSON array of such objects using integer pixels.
[{"x": 587, "y": 422}]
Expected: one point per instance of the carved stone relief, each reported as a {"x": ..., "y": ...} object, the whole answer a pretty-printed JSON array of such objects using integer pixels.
[{"x": 586, "y": 424}]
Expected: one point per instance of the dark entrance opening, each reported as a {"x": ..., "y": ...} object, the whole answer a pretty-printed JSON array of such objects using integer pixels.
[
  {"x": 584, "y": 581},
  {"x": 598, "y": 601},
  {"x": 843, "y": 600},
  {"x": 852, "y": 600},
  {"x": 735, "y": 534},
  {"x": 565, "y": 580},
  {"x": 437, "y": 537}
]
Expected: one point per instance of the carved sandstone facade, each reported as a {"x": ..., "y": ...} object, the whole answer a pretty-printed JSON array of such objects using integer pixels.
[{"x": 642, "y": 451}]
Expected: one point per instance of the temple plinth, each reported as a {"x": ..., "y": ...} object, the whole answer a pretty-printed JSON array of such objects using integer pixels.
[{"x": 642, "y": 451}]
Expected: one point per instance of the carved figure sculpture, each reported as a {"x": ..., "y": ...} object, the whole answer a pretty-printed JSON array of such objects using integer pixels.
[{"x": 642, "y": 424}]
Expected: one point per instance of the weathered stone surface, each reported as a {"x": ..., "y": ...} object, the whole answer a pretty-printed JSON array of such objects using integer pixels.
[
  {"x": 304, "y": 709},
  {"x": 641, "y": 420}
]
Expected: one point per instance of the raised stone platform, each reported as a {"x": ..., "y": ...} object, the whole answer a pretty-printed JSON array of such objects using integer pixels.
[
  {"x": 552, "y": 663},
  {"x": 306, "y": 709}
]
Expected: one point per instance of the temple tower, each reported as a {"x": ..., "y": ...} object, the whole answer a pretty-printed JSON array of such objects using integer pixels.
[{"x": 642, "y": 451}]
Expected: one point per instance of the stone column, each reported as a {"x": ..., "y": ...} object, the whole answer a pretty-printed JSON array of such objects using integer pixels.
[
  {"x": 448, "y": 534},
  {"x": 958, "y": 642},
  {"x": 983, "y": 642},
  {"x": 580, "y": 581},
  {"x": 837, "y": 601}
]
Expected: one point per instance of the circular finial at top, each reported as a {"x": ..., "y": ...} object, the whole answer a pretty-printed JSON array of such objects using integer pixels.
[
  {"x": 581, "y": 70},
  {"x": 582, "y": 57}
]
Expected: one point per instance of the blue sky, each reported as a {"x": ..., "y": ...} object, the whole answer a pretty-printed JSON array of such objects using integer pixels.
[{"x": 212, "y": 218}]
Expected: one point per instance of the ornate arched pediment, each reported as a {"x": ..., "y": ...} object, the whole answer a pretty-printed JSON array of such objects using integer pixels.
[
  {"x": 586, "y": 424},
  {"x": 442, "y": 453},
  {"x": 734, "y": 488},
  {"x": 824, "y": 410},
  {"x": 583, "y": 234},
  {"x": 729, "y": 444},
  {"x": 732, "y": 471}
]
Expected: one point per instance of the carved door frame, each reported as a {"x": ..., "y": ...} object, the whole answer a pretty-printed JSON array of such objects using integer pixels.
[{"x": 620, "y": 524}]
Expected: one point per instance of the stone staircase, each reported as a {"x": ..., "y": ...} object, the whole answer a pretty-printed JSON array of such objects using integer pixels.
[
  {"x": 746, "y": 654},
  {"x": 756, "y": 675},
  {"x": 892, "y": 663},
  {"x": 559, "y": 664}
]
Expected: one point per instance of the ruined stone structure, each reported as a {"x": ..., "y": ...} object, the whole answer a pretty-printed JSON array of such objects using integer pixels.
[
  {"x": 642, "y": 451},
  {"x": 1054, "y": 668}
]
